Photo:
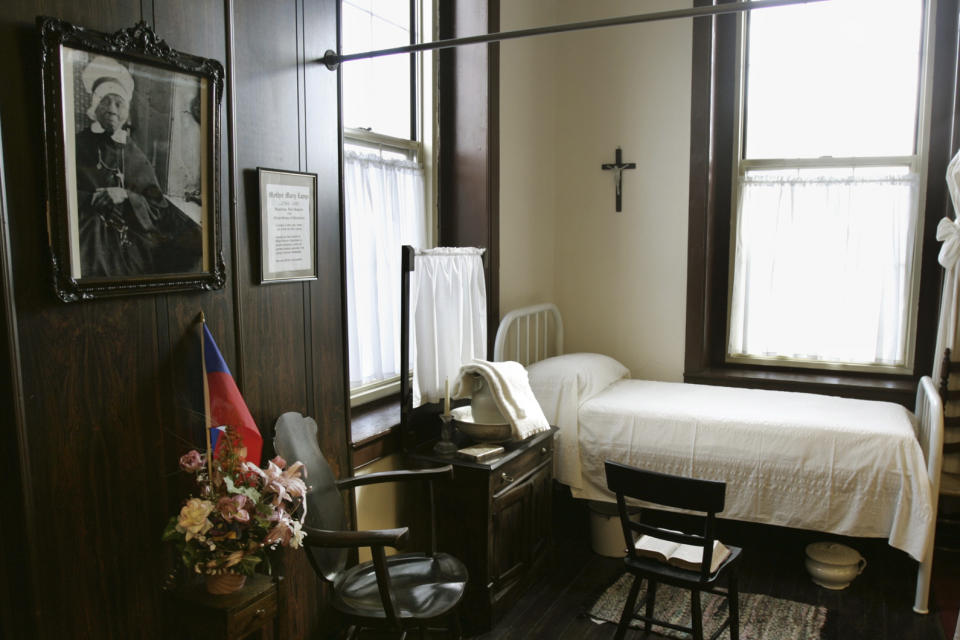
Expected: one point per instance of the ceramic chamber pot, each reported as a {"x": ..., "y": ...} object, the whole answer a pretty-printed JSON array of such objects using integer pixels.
[{"x": 832, "y": 565}]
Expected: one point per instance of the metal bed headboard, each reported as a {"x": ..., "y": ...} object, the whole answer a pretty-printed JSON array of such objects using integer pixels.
[
  {"x": 929, "y": 430},
  {"x": 529, "y": 334}
]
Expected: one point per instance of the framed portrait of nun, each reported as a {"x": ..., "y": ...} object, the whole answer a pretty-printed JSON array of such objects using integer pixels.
[{"x": 131, "y": 139}]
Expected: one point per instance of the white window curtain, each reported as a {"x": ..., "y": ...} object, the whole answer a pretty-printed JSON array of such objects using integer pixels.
[
  {"x": 448, "y": 308},
  {"x": 384, "y": 210},
  {"x": 823, "y": 265}
]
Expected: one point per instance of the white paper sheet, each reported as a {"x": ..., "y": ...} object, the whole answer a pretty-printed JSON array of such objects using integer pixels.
[{"x": 288, "y": 229}]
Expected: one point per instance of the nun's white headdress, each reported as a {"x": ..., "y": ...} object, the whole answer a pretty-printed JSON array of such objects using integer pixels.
[{"x": 103, "y": 76}]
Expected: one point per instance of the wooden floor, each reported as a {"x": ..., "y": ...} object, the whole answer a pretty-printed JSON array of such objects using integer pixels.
[{"x": 878, "y": 605}]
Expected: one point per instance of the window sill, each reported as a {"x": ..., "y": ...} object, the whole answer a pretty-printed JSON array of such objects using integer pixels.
[
  {"x": 901, "y": 390},
  {"x": 374, "y": 431}
]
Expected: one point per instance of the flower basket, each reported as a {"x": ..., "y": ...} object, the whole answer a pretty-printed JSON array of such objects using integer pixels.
[
  {"x": 224, "y": 583},
  {"x": 238, "y": 514}
]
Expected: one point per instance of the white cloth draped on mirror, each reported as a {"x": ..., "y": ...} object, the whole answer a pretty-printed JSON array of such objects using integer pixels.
[
  {"x": 448, "y": 308},
  {"x": 948, "y": 232},
  {"x": 823, "y": 265},
  {"x": 384, "y": 209}
]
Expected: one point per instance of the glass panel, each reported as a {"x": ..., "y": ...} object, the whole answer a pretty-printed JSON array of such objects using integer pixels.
[
  {"x": 384, "y": 209},
  {"x": 823, "y": 265},
  {"x": 394, "y": 11},
  {"x": 836, "y": 78},
  {"x": 376, "y": 92}
]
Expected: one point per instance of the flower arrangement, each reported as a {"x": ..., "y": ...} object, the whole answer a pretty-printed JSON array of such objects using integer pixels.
[{"x": 240, "y": 511}]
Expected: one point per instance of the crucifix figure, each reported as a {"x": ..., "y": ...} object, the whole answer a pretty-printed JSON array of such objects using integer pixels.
[{"x": 618, "y": 168}]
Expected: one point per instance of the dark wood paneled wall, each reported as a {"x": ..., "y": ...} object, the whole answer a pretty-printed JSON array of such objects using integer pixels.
[
  {"x": 102, "y": 399},
  {"x": 469, "y": 166}
]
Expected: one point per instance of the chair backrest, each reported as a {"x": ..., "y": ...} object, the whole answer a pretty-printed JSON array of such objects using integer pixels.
[
  {"x": 295, "y": 439},
  {"x": 704, "y": 496}
]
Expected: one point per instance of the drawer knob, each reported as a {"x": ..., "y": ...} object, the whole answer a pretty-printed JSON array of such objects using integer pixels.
[
  {"x": 259, "y": 612},
  {"x": 506, "y": 478},
  {"x": 543, "y": 451}
]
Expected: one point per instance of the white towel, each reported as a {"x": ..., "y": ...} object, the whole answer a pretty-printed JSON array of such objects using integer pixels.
[{"x": 510, "y": 387}]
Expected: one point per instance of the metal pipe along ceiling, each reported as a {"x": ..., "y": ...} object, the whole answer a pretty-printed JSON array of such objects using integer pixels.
[{"x": 332, "y": 59}]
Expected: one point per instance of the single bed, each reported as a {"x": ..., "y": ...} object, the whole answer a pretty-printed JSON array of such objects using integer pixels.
[{"x": 851, "y": 467}]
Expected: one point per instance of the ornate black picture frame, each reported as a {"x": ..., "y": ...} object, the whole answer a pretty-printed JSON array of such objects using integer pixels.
[{"x": 131, "y": 134}]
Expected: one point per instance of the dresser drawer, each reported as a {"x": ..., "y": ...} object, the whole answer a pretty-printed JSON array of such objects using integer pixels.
[
  {"x": 516, "y": 470},
  {"x": 253, "y": 616}
]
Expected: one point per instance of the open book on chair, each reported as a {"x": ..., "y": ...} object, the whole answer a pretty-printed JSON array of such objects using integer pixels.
[{"x": 685, "y": 556}]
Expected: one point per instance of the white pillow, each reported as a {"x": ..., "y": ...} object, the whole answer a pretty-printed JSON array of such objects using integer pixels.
[{"x": 591, "y": 373}]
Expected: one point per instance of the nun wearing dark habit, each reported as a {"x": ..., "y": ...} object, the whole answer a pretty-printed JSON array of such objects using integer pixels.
[{"x": 126, "y": 225}]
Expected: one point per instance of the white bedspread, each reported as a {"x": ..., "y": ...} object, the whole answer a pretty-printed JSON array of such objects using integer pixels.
[{"x": 808, "y": 461}]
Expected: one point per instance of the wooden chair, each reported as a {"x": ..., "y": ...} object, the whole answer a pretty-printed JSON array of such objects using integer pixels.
[
  {"x": 702, "y": 496},
  {"x": 396, "y": 593}
]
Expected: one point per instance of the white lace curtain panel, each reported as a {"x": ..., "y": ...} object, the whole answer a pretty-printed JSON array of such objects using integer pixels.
[
  {"x": 448, "y": 308},
  {"x": 823, "y": 266},
  {"x": 384, "y": 210}
]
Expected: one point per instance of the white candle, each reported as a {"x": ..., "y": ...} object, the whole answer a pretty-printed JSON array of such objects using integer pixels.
[{"x": 446, "y": 397}]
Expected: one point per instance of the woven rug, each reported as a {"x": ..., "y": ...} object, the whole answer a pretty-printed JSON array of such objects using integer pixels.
[{"x": 761, "y": 617}]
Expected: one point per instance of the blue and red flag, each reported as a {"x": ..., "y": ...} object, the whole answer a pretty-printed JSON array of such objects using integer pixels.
[{"x": 224, "y": 404}]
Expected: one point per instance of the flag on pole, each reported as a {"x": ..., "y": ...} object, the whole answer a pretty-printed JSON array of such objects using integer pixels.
[{"x": 223, "y": 403}]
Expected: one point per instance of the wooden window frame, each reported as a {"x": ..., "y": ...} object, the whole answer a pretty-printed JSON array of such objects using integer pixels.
[{"x": 712, "y": 138}]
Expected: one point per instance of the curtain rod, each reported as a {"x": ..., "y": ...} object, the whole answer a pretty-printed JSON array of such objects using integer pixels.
[{"x": 332, "y": 59}]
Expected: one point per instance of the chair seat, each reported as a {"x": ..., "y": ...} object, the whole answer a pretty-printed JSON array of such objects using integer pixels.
[
  {"x": 677, "y": 575},
  {"x": 425, "y": 587}
]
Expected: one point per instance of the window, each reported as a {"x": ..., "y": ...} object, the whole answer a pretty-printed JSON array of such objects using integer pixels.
[
  {"x": 827, "y": 195},
  {"x": 820, "y": 135},
  {"x": 386, "y": 182}
]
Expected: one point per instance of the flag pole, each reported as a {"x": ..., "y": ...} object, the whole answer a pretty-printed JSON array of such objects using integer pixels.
[{"x": 206, "y": 396}]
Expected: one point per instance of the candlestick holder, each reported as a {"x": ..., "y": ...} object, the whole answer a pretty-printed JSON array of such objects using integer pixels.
[{"x": 444, "y": 446}]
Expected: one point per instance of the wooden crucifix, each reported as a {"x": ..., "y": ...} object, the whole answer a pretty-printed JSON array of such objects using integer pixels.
[{"x": 618, "y": 168}]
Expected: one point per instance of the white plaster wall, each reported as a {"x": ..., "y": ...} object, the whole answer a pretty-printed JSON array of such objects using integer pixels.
[
  {"x": 379, "y": 506},
  {"x": 618, "y": 278},
  {"x": 528, "y": 151}
]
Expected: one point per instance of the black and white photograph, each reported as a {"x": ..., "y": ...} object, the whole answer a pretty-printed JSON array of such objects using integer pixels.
[{"x": 138, "y": 210}]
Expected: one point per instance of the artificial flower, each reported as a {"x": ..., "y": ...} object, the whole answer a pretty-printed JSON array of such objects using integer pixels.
[
  {"x": 297, "y": 534},
  {"x": 193, "y": 520},
  {"x": 241, "y": 511},
  {"x": 191, "y": 461},
  {"x": 233, "y": 508}
]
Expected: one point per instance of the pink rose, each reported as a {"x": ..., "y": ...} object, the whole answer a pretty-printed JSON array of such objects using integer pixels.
[
  {"x": 279, "y": 461},
  {"x": 191, "y": 461}
]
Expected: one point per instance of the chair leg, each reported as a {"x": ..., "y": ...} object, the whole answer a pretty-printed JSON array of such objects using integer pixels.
[
  {"x": 628, "y": 609},
  {"x": 455, "y": 631},
  {"x": 651, "y": 597},
  {"x": 696, "y": 613},
  {"x": 423, "y": 632},
  {"x": 733, "y": 606}
]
